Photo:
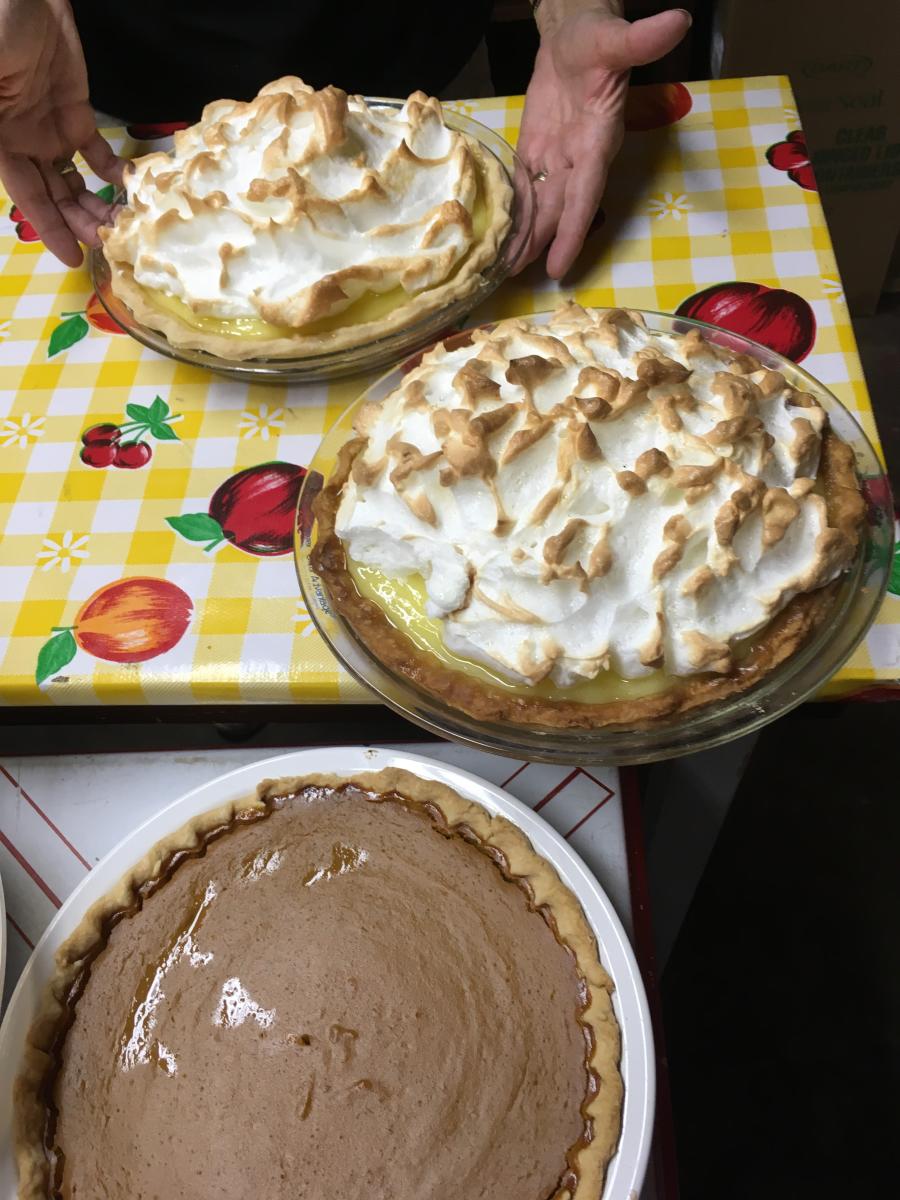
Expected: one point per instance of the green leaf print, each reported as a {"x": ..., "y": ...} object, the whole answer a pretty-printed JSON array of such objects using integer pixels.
[
  {"x": 198, "y": 527},
  {"x": 158, "y": 411},
  {"x": 894, "y": 581},
  {"x": 55, "y": 654},
  {"x": 164, "y": 433},
  {"x": 107, "y": 193},
  {"x": 138, "y": 412},
  {"x": 67, "y": 333}
]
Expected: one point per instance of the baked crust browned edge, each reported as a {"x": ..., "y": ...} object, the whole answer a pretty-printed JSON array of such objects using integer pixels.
[
  {"x": 603, "y": 1105},
  {"x": 781, "y": 638},
  {"x": 499, "y": 195}
]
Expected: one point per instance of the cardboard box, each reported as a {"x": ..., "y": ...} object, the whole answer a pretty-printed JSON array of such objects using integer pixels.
[{"x": 842, "y": 60}]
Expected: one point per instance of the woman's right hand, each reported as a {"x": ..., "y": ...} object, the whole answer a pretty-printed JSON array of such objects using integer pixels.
[{"x": 45, "y": 117}]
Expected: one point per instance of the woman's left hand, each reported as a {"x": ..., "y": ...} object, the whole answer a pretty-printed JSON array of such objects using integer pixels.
[{"x": 573, "y": 121}]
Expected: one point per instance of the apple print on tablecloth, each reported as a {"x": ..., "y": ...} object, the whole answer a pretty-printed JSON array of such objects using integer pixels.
[
  {"x": 151, "y": 132},
  {"x": 655, "y": 105},
  {"x": 254, "y": 510},
  {"x": 125, "y": 446},
  {"x": 779, "y": 319},
  {"x": 792, "y": 156},
  {"x": 76, "y": 325},
  {"x": 127, "y": 621}
]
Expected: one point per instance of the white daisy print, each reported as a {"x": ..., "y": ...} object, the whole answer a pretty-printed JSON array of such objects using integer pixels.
[
  {"x": 669, "y": 205},
  {"x": 303, "y": 620},
  {"x": 833, "y": 289},
  {"x": 64, "y": 552},
  {"x": 791, "y": 116},
  {"x": 21, "y": 431},
  {"x": 262, "y": 421}
]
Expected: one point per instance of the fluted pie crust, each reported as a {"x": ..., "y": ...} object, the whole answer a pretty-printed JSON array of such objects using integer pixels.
[
  {"x": 503, "y": 841},
  {"x": 778, "y": 641}
]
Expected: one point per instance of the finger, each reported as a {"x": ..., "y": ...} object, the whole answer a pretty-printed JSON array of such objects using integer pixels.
[
  {"x": 653, "y": 37},
  {"x": 26, "y": 188},
  {"x": 619, "y": 45},
  {"x": 99, "y": 156},
  {"x": 583, "y": 194},
  {"x": 549, "y": 196},
  {"x": 74, "y": 181},
  {"x": 584, "y": 191},
  {"x": 99, "y": 209},
  {"x": 78, "y": 219}
]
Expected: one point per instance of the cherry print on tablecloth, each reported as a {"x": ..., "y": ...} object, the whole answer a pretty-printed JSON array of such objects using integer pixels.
[
  {"x": 125, "y": 445},
  {"x": 655, "y": 105},
  {"x": 127, "y": 621},
  {"x": 254, "y": 510},
  {"x": 779, "y": 319},
  {"x": 25, "y": 231},
  {"x": 792, "y": 156}
]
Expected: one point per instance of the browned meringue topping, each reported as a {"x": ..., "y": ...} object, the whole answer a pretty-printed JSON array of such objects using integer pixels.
[{"x": 337, "y": 995}]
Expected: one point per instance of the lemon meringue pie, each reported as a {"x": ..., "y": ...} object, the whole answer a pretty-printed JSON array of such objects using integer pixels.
[
  {"x": 305, "y": 221},
  {"x": 586, "y": 522}
]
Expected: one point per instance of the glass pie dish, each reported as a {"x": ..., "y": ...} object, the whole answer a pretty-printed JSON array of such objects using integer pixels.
[
  {"x": 376, "y": 352},
  {"x": 857, "y": 596}
]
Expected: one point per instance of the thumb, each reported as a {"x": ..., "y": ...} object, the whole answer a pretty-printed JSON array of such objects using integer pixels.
[
  {"x": 619, "y": 45},
  {"x": 652, "y": 37}
]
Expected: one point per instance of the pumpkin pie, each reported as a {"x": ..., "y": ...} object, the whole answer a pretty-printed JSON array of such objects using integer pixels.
[{"x": 364, "y": 986}]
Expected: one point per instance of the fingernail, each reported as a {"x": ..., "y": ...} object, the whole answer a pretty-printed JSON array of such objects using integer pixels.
[{"x": 684, "y": 12}]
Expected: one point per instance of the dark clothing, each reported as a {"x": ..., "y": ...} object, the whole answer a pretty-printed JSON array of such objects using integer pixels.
[{"x": 164, "y": 59}]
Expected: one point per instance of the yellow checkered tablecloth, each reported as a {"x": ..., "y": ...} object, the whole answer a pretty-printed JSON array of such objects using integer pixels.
[{"x": 693, "y": 202}]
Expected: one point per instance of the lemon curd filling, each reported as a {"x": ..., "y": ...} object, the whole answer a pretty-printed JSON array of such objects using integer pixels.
[
  {"x": 371, "y": 306},
  {"x": 403, "y": 603}
]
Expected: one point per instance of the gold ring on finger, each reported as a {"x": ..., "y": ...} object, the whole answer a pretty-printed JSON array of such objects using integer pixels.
[
  {"x": 64, "y": 166},
  {"x": 540, "y": 175}
]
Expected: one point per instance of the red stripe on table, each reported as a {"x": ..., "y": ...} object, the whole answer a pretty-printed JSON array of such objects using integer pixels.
[
  {"x": 517, "y": 771},
  {"x": 29, "y": 869},
  {"x": 587, "y": 816},
  {"x": 559, "y": 787},
  {"x": 40, "y": 812},
  {"x": 599, "y": 782},
  {"x": 21, "y": 932}
]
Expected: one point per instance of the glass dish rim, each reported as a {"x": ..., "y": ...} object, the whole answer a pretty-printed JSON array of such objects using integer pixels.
[
  {"x": 831, "y": 643},
  {"x": 400, "y": 342}
]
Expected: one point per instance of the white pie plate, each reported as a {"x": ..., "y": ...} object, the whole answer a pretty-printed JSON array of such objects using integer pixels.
[
  {"x": 2, "y": 940},
  {"x": 627, "y": 1169}
]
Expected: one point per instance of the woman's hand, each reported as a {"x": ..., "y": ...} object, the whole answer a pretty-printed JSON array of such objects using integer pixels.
[
  {"x": 573, "y": 120},
  {"x": 45, "y": 117}
]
